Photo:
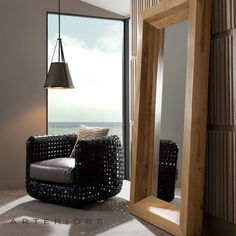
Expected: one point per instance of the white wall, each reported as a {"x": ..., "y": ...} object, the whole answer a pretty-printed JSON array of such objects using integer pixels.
[
  {"x": 22, "y": 76},
  {"x": 174, "y": 79}
]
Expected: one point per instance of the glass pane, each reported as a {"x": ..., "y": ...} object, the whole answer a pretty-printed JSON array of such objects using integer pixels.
[{"x": 93, "y": 50}]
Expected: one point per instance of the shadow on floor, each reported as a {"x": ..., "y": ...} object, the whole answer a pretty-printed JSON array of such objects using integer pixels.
[
  {"x": 109, "y": 217},
  {"x": 35, "y": 216}
]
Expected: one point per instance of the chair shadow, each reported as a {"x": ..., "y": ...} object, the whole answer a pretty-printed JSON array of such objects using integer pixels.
[{"x": 88, "y": 220}]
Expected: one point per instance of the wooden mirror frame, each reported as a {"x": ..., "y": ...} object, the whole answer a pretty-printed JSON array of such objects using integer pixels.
[{"x": 185, "y": 220}]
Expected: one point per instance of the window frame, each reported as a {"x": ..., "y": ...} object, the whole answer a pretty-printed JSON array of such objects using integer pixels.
[{"x": 125, "y": 84}]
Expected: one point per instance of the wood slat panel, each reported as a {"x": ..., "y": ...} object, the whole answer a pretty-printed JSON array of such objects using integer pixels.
[
  {"x": 223, "y": 15},
  {"x": 221, "y": 101},
  {"x": 134, "y": 21},
  {"x": 220, "y": 182},
  {"x": 132, "y": 83},
  {"x": 220, "y": 188}
]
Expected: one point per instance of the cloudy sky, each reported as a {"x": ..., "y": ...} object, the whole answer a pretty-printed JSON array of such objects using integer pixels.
[{"x": 93, "y": 50}]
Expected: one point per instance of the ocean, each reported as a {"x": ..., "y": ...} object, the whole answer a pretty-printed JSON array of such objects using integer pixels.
[{"x": 73, "y": 127}]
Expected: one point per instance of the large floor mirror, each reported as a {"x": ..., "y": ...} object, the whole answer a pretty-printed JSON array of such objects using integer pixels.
[{"x": 169, "y": 131}]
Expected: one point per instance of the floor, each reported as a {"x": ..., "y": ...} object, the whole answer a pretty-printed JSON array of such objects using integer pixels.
[
  {"x": 176, "y": 201},
  {"x": 22, "y": 215}
]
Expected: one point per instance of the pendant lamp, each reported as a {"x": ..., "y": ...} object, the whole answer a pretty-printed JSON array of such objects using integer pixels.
[{"x": 59, "y": 76}]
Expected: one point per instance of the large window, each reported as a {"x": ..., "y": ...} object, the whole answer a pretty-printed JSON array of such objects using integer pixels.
[{"x": 93, "y": 50}]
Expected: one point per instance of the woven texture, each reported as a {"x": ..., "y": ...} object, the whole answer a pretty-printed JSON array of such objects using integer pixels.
[
  {"x": 99, "y": 168},
  {"x": 167, "y": 174}
]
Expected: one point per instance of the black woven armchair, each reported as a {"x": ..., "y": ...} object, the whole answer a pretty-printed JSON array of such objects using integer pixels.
[{"x": 98, "y": 172}]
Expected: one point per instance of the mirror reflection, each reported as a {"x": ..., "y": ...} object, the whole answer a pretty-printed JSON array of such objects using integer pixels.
[{"x": 170, "y": 103}]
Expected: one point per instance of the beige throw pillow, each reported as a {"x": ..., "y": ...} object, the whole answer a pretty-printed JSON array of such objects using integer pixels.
[{"x": 89, "y": 132}]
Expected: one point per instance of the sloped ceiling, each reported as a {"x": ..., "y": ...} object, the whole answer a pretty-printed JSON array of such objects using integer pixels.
[{"x": 121, "y": 7}]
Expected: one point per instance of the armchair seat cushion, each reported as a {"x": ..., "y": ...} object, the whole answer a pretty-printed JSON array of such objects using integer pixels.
[{"x": 59, "y": 170}]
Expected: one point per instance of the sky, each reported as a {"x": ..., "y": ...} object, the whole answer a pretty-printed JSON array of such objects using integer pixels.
[{"x": 93, "y": 51}]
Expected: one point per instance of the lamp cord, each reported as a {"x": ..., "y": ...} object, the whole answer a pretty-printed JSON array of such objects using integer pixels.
[
  {"x": 59, "y": 29},
  {"x": 60, "y": 48}
]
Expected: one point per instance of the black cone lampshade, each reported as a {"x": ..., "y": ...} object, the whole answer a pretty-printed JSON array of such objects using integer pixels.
[{"x": 59, "y": 75}]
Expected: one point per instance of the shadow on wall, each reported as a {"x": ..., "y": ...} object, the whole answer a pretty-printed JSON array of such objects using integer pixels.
[
  {"x": 14, "y": 133},
  {"x": 29, "y": 117},
  {"x": 15, "y": 112}
]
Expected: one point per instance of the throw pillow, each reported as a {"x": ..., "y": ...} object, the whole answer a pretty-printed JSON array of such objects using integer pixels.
[{"x": 89, "y": 132}]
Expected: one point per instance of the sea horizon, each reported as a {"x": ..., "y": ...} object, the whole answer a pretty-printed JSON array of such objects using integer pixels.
[{"x": 73, "y": 127}]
